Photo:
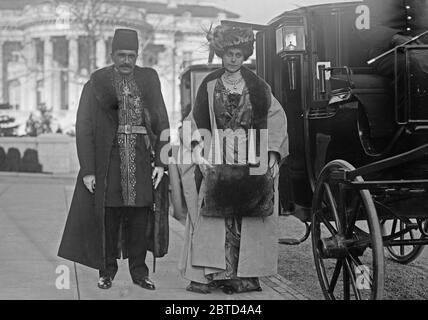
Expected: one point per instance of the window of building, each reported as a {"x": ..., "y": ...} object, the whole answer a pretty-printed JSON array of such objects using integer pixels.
[
  {"x": 84, "y": 63},
  {"x": 60, "y": 51},
  {"x": 40, "y": 51}
]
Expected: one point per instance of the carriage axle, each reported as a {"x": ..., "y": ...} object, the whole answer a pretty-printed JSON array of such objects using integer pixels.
[{"x": 338, "y": 247}]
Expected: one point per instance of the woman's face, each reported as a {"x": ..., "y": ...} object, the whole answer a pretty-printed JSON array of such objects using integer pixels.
[{"x": 233, "y": 59}]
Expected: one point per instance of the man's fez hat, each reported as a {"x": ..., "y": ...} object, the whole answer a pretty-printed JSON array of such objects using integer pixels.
[{"x": 125, "y": 39}]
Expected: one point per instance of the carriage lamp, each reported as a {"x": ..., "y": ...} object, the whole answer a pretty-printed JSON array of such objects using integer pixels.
[{"x": 290, "y": 39}]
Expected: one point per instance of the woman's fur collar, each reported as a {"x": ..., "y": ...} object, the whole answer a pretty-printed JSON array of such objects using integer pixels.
[{"x": 260, "y": 98}]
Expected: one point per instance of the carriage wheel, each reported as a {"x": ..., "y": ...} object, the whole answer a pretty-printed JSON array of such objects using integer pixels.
[
  {"x": 403, "y": 254},
  {"x": 346, "y": 239}
]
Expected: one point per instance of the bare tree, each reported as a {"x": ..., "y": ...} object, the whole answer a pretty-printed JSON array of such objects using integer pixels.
[{"x": 89, "y": 16}]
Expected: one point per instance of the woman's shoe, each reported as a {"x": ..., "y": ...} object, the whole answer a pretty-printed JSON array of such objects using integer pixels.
[
  {"x": 198, "y": 287},
  {"x": 104, "y": 283},
  {"x": 257, "y": 289},
  {"x": 213, "y": 285},
  {"x": 228, "y": 290}
]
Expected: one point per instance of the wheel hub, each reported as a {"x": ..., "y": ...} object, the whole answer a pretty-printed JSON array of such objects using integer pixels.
[{"x": 333, "y": 247}]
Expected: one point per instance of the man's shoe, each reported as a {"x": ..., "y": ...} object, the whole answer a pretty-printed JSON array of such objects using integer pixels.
[
  {"x": 104, "y": 283},
  {"x": 145, "y": 283}
]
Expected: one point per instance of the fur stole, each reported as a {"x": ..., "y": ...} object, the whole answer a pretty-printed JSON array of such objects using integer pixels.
[{"x": 260, "y": 98}]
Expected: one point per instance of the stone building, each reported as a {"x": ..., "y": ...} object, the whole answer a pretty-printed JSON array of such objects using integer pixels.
[{"x": 48, "y": 48}]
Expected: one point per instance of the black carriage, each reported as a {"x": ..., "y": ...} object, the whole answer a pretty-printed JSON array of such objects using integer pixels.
[{"x": 358, "y": 166}]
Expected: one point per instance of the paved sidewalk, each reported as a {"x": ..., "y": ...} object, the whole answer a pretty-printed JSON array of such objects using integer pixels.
[{"x": 33, "y": 209}]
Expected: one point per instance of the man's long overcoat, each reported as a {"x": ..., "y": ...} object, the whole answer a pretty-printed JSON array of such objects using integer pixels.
[{"x": 83, "y": 239}]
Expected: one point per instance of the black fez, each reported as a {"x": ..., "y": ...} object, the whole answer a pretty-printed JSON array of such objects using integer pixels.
[{"x": 125, "y": 39}]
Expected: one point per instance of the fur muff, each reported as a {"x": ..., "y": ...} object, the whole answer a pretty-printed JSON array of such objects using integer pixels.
[{"x": 232, "y": 191}]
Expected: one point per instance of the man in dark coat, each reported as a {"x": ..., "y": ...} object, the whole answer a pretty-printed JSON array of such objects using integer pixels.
[
  {"x": 120, "y": 119},
  {"x": 395, "y": 22}
]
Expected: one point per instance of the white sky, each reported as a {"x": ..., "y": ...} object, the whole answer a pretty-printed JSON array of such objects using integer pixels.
[{"x": 256, "y": 11}]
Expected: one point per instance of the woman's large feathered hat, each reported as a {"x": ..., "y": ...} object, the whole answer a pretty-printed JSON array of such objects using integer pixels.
[{"x": 224, "y": 37}]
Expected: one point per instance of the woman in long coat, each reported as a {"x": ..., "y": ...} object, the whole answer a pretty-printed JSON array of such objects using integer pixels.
[{"x": 230, "y": 235}]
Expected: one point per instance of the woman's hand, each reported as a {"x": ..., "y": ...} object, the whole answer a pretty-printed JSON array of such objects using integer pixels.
[{"x": 273, "y": 163}]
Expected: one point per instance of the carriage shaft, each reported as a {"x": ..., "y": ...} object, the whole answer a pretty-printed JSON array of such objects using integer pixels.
[{"x": 414, "y": 154}]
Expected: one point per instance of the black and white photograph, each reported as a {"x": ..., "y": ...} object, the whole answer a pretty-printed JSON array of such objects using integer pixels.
[{"x": 213, "y": 156}]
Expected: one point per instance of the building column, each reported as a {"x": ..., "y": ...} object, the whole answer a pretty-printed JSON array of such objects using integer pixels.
[
  {"x": 73, "y": 71},
  {"x": 140, "y": 60},
  {"x": 101, "y": 53},
  {"x": 31, "y": 82},
  {"x": 48, "y": 72}
]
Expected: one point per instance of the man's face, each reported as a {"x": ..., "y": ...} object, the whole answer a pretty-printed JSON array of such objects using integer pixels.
[{"x": 124, "y": 60}]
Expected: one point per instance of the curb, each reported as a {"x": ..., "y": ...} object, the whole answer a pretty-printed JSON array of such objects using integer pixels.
[{"x": 67, "y": 178}]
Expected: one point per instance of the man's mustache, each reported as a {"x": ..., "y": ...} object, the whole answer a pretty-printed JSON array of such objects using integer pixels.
[{"x": 125, "y": 65}]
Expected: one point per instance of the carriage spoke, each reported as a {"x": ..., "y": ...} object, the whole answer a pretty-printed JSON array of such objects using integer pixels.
[
  {"x": 355, "y": 207},
  {"x": 329, "y": 226},
  {"x": 332, "y": 205},
  {"x": 394, "y": 226},
  {"x": 342, "y": 218},
  {"x": 357, "y": 293},
  {"x": 412, "y": 236},
  {"x": 335, "y": 276},
  {"x": 346, "y": 278},
  {"x": 401, "y": 238}
]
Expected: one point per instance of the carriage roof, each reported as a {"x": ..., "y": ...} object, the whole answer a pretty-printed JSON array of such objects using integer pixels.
[{"x": 315, "y": 7}]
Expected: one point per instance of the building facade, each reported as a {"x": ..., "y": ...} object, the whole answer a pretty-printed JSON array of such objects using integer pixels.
[{"x": 48, "y": 48}]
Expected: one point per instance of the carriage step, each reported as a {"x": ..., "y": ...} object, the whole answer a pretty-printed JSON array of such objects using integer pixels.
[{"x": 289, "y": 241}]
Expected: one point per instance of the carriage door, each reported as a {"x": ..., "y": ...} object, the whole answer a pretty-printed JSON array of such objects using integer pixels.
[{"x": 333, "y": 127}]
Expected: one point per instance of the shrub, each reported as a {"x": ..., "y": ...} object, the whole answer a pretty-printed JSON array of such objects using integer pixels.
[
  {"x": 3, "y": 165},
  {"x": 30, "y": 161},
  {"x": 13, "y": 160}
]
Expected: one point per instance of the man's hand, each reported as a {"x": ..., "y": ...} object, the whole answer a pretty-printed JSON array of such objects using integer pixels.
[
  {"x": 157, "y": 175},
  {"x": 273, "y": 163},
  {"x": 399, "y": 39},
  {"x": 89, "y": 182}
]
